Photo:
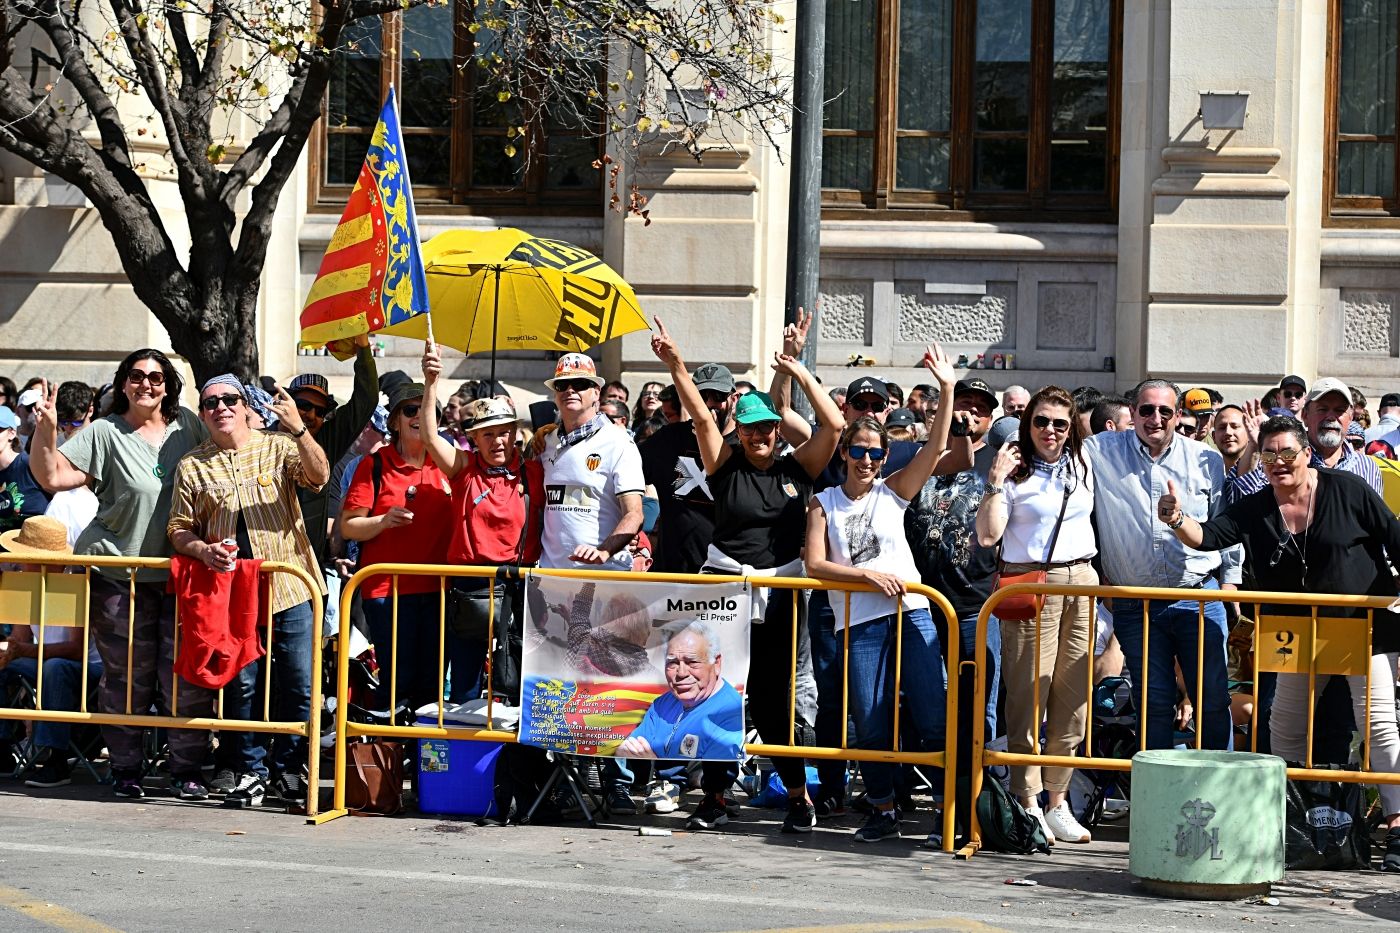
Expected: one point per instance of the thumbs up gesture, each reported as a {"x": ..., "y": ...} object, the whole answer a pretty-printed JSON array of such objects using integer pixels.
[{"x": 1168, "y": 508}]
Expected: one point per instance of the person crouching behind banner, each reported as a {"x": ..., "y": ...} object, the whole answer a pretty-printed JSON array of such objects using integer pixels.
[
  {"x": 493, "y": 520},
  {"x": 703, "y": 715},
  {"x": 1040, "y": 496},
  {"x": 1315, "y": 531},
  {"x": 855, "y": 534},
  {"x": 760, "y": 501},
  {"x": 242, "y": 485},
  {"x": 399, "y": 507}
]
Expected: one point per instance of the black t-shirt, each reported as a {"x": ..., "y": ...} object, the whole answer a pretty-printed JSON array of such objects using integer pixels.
[
  {"x": 941, "y": 524},
  {"x": 900, "y": 453},
  {"x": 760, "y": 515},
  {"x": 1345, "y": 547},
  {"x": 671, "y": 462}
]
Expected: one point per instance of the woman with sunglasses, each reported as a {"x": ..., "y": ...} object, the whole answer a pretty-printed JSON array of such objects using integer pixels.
[
  {"x": 1316, "y": 531},
  {"x": 648, "y": 407},
  {"x": 855, "y": 534},
  {"x": 760, "y": 500},
  {"x": 1039, "y": 499},
  {"x": 399, "y": 507},
  {"x": 128, "y": 459}
]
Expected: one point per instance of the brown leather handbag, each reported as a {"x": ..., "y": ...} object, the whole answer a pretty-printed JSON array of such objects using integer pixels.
[
  {"x": 1023, "y": 607},
  {"x": 374, "y": 778}
]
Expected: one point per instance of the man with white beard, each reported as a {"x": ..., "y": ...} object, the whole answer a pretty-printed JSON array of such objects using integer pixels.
[{"x": 1326, "y": 415}]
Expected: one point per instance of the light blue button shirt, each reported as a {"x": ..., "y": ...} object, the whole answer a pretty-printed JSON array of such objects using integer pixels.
[{"x": 1137, "y": 547}]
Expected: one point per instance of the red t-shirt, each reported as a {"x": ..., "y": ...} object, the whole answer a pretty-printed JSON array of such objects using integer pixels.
[
  {"x": 424, "y": 540},
  {"x": 490, "y": 513}
]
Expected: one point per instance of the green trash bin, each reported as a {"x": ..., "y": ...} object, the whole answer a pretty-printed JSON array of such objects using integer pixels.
[{"x": 1207, "y": 825}]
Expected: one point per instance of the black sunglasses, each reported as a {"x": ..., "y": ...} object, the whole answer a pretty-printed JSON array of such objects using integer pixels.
[
  {"x": 875, "y": 405},
  {"x": 1061, "y": 425},
  {"x": 308, "y": 405},
  {"x": 1147, "y": 411},
  {"x": 858, "y": 452},
  {"x": 411, "y": 411},
  {"x": 577, "y": 385},
  {"x": 155, "y": 377},
  {"x": 213, "y": 402}
]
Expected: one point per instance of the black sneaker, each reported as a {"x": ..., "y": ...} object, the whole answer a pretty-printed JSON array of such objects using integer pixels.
[
  {"x": 188, "y": 787},
  {"x": 224, "y": 781},
  {"x": 291, "y": 788},
  {"x": 127, "y": 784},
  {"x": 884, "y": 824},
  {"x": 802, "y": 816},
  {"x": 711, "y": 813},
  {"x": 1391, "y": 859},
  {"x": 248, "y": 792},
  {"x": 831, "y": 806},
  {"x": 620, "y": 803},
  {"x": 50, "y": 770}
]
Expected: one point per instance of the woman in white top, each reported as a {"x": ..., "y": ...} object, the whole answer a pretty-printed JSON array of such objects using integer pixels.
[
  {"x": 855, "y": 534},
  {"x": 1047, "y": 475}
]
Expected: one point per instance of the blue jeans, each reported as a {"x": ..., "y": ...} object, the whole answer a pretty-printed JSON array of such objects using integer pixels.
[
  {"x": 291, "y": 698},
  {"x": 417, "y": 678},
  {"x": 63, "y": 686},
  {"x": 829, "y": 669},
  {"x": 967, "y": 684},
  {"x": 873, "y": 698},
  {"x": 1173, "y": 641}
]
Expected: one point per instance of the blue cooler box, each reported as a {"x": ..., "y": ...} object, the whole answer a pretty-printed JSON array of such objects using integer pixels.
[{"x": 456, "y": 776}]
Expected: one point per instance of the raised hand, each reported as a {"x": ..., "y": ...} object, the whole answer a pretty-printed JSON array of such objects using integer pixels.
[
  {"x": 789, "y": 365},
  {"x": 1007, "y": 460},
  {"x": 937, "y": 363},
  {"x": 1254, "y": 418},
  {"x": 665, "y": 348},
  {"x": 285, "y": 408},
  {"x": 1168, "y": 505},
  {"x": 45, "y": 415},
  {"x": 795, "y": 334},
  {"x": 432, "y": 363}
]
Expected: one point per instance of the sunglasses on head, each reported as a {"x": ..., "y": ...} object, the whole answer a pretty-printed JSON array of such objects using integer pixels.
[
  {"x": 155, "y": 377},
  {"x": 577, "y": 385},
  {"x": 213, "y": 402},
  {"x": 858, "y": 452},
  {"x": 308, "y": 405},
  {"x": 1061, "y": 425},
  {"x": 876, "y": 405},
  {"x": 1147, "y": 411},
  {"x": 1273, "y": 456}
]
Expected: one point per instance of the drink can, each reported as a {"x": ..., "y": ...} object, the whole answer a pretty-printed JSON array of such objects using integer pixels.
[
  {"x": 1010, "y": 361},
  {"x": 230, "y": 545}
]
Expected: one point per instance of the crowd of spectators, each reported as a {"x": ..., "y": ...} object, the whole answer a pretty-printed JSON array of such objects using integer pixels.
[{"x": 705, "y": 473}]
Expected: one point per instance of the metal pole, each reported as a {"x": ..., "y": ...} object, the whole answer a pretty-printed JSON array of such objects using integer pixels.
[
  {"x": 805, "y": 196},
  {"x": 495, "y": 326}
]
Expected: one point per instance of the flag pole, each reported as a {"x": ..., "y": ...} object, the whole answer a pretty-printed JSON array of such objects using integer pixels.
[
  {"x": 408, "y": 186},
  {"x": 495, "y": 322}
]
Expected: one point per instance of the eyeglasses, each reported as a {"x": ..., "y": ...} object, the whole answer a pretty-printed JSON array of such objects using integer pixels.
[
  {"x": 1061, "y": 425},
  {"x": 1273, "y": 456},
  {"x": 875, "y": 405},
  {"x": 857, "y": 452},
  {"x": 411, "y": 411},
  {"x": 155, "y": 377},
  {"x": 308, "y": 405},
  {"x": 759, "y": 427},
  {"x": 650, "y": 395},
  {"x": 1295, "y": 394},
  {"x": 1147, "y": 411},
  {"x": 576, "y": 385},
  {"x": 1282, "y": 549},
  {"x": 213, "y": 402}
]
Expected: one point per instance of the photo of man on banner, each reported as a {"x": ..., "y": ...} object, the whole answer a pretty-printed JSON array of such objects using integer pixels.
[{"x": 703, "y": 715}]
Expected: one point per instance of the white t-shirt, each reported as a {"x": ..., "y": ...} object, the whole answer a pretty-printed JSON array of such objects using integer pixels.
[
  {"x": 582, "y": 483},
  {"x": 76, "y": 508},
  {"x": 869, "y": 532},
  {"x": 1032, "y": 507}
]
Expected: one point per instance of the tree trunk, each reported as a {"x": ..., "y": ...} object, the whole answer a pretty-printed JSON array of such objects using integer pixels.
[{"x": 224, "y": 339}]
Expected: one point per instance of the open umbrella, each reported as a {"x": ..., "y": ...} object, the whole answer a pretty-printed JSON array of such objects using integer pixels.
[{"x": 494, "y": 289}]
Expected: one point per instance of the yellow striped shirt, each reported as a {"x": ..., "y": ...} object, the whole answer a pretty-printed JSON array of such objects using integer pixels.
[{"x": 259, "y": 480}]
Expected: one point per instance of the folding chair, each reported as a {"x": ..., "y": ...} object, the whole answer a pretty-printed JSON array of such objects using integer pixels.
[{"x": 25, "y": 696}]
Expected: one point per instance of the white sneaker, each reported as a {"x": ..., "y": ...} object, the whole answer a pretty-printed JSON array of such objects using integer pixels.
[
  {"x": 1066, "y": 828},
  {"x": 663, "y": 798},
  {"x": 1039, "y": 814}
]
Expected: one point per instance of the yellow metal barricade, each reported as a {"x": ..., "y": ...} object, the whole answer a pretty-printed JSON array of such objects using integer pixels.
[
  {"x": 48, "y": 598},
  {"x": 347, "y": 731},
  {"x": 1311, "y": 644}
]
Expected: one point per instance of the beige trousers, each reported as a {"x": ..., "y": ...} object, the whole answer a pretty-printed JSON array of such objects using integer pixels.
[{"x": 1061, "y": 692}]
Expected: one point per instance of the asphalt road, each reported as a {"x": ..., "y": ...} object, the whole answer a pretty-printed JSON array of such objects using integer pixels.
[{"x": 76, "y": 859}]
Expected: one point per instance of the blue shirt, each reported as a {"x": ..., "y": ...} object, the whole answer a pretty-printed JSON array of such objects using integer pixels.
[
  {"x": 712, "y": 730},
  {"x": 1238, "y": 486},
  {"x": 1137, "y": 547},
  {"x": 20, "y": 496}
]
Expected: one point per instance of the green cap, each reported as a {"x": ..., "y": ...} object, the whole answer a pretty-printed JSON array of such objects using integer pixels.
[{"x": 755, "y": 408}]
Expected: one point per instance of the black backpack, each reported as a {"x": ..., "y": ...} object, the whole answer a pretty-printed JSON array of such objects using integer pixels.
[{"x": 1006, "y": 826}]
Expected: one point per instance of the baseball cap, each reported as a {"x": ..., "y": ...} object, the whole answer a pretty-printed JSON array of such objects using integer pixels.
[
  {"x": 976, "y": 387},
  {"x": 900, "y": 418},
  {"x": 1326, "y": 386},
  {"x": 867, "y": 386},
  {"x": 1282, "y": 413},
  {"x": 1006, "y": 428},
  {"x": 486, "y": 412},
  {"x": 1197, "y": 402},
  {"x": 29, "y": 398},
  {"x": 755, "y": 408},
  {"x": 575, "y": 366},
  {"x": 8, "y": 419},
  {"x": 1390, "y": 399},
  {"x": 714, "y": 377},
  {"x": 1293, "y": 381}
]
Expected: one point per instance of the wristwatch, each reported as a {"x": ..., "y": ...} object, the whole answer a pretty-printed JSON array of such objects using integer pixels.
[
  {"x": 993, "y": 490},
  {"x": 300, "y": 433}
]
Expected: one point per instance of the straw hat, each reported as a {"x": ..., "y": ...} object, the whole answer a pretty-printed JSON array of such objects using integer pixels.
[{"x": 38, "y": 535}]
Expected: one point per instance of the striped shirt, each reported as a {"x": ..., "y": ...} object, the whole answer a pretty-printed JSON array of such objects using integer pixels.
[
  {"x": 259, "y": 481},
  {"x": 1238, "y": 485}
]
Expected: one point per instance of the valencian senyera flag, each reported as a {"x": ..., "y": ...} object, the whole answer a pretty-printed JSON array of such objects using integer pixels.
[{"x": 372, "y": 274}]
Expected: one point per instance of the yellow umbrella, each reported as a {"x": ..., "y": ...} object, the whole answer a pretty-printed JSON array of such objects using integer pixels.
[{"x": 507, "y": 289}]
